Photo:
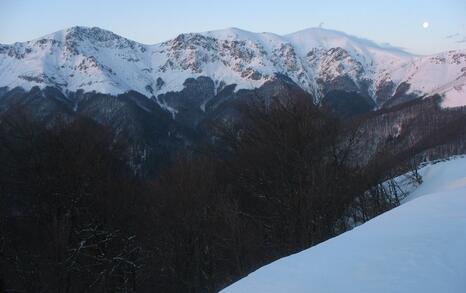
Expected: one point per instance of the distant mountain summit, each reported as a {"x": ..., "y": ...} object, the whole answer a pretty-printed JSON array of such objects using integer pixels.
[{"x": 322, "y": 62}]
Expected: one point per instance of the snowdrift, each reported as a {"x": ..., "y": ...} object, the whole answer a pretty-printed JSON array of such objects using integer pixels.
[{"x": 417, "y": 247}]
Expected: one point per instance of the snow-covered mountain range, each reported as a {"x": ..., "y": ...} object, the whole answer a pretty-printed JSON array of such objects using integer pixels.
[{"x": 318, "y": 60}]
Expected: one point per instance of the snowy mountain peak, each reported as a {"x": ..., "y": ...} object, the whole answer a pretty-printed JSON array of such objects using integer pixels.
[
  {"x": 318, "y": 60},
  {"x": 326, "y": 38},
  {"x": 82, "y": 33}
]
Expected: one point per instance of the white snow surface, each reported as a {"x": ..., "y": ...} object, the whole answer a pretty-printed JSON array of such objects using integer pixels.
[
  {"x": 93, "y": 59},
  {"x": 437, "y": 176},
  {"x": 416, "y": 247}
]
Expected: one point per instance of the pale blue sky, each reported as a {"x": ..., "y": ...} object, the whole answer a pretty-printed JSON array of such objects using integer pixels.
[{"x": 396, "y": 22}]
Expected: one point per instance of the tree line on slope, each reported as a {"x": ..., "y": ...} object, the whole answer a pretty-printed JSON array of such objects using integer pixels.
[{"x": 76, "y": 218}]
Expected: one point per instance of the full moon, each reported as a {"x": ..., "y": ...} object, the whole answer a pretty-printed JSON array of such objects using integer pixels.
[{"x": 425, "y": 25}]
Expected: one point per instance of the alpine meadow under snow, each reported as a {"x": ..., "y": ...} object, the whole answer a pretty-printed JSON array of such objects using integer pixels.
[{"x": 417, "y": 247}]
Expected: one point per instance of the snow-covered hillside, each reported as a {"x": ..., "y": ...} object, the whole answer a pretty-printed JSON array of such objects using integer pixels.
[
  {"x": 417, "y": 247},
  {"x": 318, "y": 60}
]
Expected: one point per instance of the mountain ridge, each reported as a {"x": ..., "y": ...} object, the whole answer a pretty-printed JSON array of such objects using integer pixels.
[
  {"x": 216, "y": 31},
  {"x": 318, "y": 60}
]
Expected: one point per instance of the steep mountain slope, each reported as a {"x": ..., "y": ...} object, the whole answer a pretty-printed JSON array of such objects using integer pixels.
[
  {"x": 417, "y": 247},
  {"x": 421, "y": 126},
  {"x": 199, "y": 78},
  {"x": 319, "y": 61}
]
